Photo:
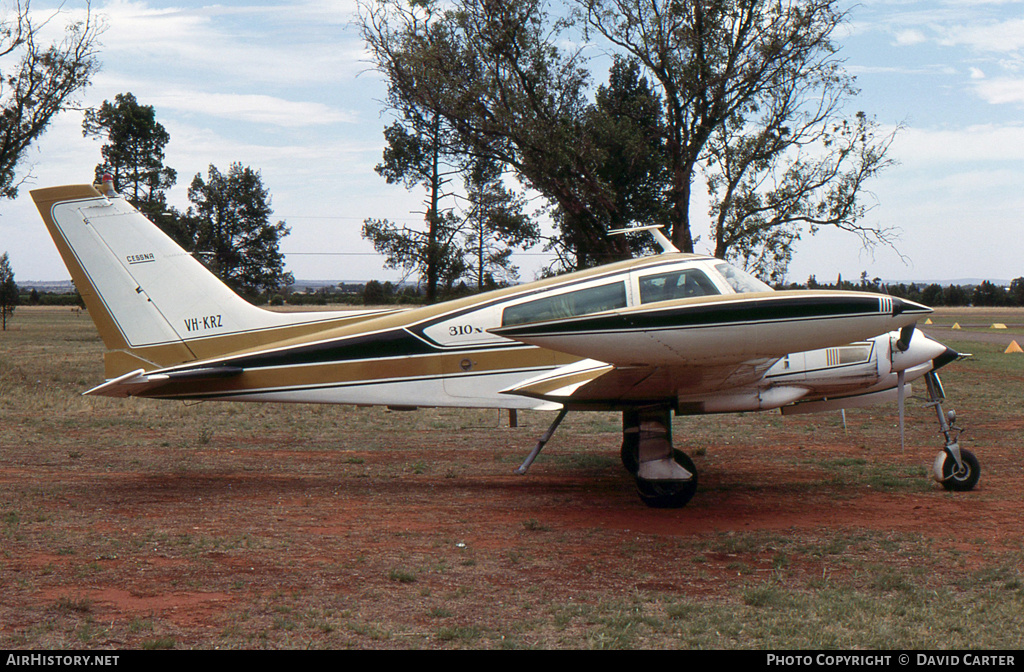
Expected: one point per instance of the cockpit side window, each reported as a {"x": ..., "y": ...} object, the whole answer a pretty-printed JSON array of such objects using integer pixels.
[
  {"x": 681, "y": 284},
  {"x": 570, "y": 304}
]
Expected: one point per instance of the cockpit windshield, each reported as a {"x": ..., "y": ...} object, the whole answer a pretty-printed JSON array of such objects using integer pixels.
[{"x": 741, "y": 281}]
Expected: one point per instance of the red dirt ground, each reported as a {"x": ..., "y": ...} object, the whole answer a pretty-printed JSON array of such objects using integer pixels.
[
  {"x": 430, "y": 536},
  {"x": 204, "y": 556}
]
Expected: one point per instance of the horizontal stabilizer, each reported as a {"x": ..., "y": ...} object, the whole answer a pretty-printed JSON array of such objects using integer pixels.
[{"x": 135, "y": 382}]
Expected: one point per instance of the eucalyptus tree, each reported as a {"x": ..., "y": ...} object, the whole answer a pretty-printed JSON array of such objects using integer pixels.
[
  {"x": 416, "y": 154},
  {"x": 491, "y": 74},
  {"x": 38, "y": 81},
  {"x": 753, "y": 104}
]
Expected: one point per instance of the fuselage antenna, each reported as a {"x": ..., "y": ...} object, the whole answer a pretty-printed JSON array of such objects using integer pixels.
[{"x": 660, "y": 238}]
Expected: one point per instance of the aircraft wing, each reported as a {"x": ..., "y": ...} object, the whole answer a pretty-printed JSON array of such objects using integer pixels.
[
  {"x": 592, "y": 384},
  {"x": 720, "y": 330},
  {"x": 707, "y": 353}
]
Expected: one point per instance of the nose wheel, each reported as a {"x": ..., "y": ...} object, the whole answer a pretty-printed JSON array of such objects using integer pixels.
[
  {"x": 956, "y": 469},
  {"x": 958, "y": 477}
]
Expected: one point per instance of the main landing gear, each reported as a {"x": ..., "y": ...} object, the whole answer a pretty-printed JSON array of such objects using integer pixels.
[
  {"x": 666, "y": 478},
  {"x": 956, "y": 469}
]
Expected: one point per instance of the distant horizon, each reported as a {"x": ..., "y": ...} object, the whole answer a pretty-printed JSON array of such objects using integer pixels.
[{"x": 306, "y": 282}]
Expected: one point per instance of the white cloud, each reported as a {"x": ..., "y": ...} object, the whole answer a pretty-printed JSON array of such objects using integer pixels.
[
  {"x": 974, "y": 4},
  {"x": 999, "y": 36},
  {"x": 986, "y": 142},
  {"x": 254, "y": 108},
  {"x": 280, "y": 44},
  {"x": 936, "y": 69},
  {"x": 1001, "y": 90},
  {"x": 909, "y": 37},
  {"x": 981, "y": 25},
  {"x": 193, "y": 148}
]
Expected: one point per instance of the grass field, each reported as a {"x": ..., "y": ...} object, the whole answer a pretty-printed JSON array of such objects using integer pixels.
[{"x": 152, "y": 524}]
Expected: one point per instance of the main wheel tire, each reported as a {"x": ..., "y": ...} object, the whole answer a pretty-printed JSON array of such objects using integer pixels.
[
  {"x": 957, "y": 479},
  {"x": 630, "y": 452},
  {"x": 669, "y": 494}
]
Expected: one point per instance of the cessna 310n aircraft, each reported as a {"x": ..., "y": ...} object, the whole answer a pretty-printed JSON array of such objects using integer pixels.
[{"x": 671, "y": 333}]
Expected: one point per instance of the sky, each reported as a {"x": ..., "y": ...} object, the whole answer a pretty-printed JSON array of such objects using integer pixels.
[{"x": 285, "y": 87}]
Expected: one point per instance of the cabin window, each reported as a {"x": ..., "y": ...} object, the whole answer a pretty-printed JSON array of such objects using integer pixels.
[
  {"x": 854, "y": 354},
  {"x": 570, "y": 304},
  {"x": 741, "y": 281},
  {"x": 682, "y": 284}
]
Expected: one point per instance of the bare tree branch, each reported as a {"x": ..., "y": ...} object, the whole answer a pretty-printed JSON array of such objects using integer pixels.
[{"x": 42, "y": 84}]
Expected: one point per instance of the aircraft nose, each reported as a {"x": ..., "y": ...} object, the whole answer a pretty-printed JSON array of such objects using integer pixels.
[{"x": 900, "y": 306}]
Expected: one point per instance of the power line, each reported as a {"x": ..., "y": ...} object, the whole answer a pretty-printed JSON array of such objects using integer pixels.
[{"x": 378, "y": 254}]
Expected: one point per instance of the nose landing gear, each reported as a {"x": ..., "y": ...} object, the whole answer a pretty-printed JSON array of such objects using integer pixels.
[{"x": 958, "y": 470}]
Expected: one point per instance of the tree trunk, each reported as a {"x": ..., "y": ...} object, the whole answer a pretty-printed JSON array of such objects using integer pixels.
[
  {"x": 681, "y": 191},
  {"x": 433, "y": 218}
]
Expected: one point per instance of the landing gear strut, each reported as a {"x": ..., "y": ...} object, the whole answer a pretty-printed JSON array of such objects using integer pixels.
[
  {"x": 522, "y": 468},
  {"x": 955, "y": 468},
  {"x": 665, "y": 477}
]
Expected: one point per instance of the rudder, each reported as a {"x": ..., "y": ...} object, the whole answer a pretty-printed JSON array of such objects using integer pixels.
[{"x": 153, "y": 303}]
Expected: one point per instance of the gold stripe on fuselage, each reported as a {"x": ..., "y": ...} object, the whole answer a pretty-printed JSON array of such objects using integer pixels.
[{"x": 368, "y": 371}]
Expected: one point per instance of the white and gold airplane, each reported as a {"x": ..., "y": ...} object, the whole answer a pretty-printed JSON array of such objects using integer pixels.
[{"x": 672, "y": 333}]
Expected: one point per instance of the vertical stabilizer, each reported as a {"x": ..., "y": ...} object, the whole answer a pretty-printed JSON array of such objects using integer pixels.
[{"x": 153, "y": 303}]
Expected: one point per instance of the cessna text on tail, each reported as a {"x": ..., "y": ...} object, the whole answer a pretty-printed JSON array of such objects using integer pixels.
[{"x": 672, "y": 333}]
